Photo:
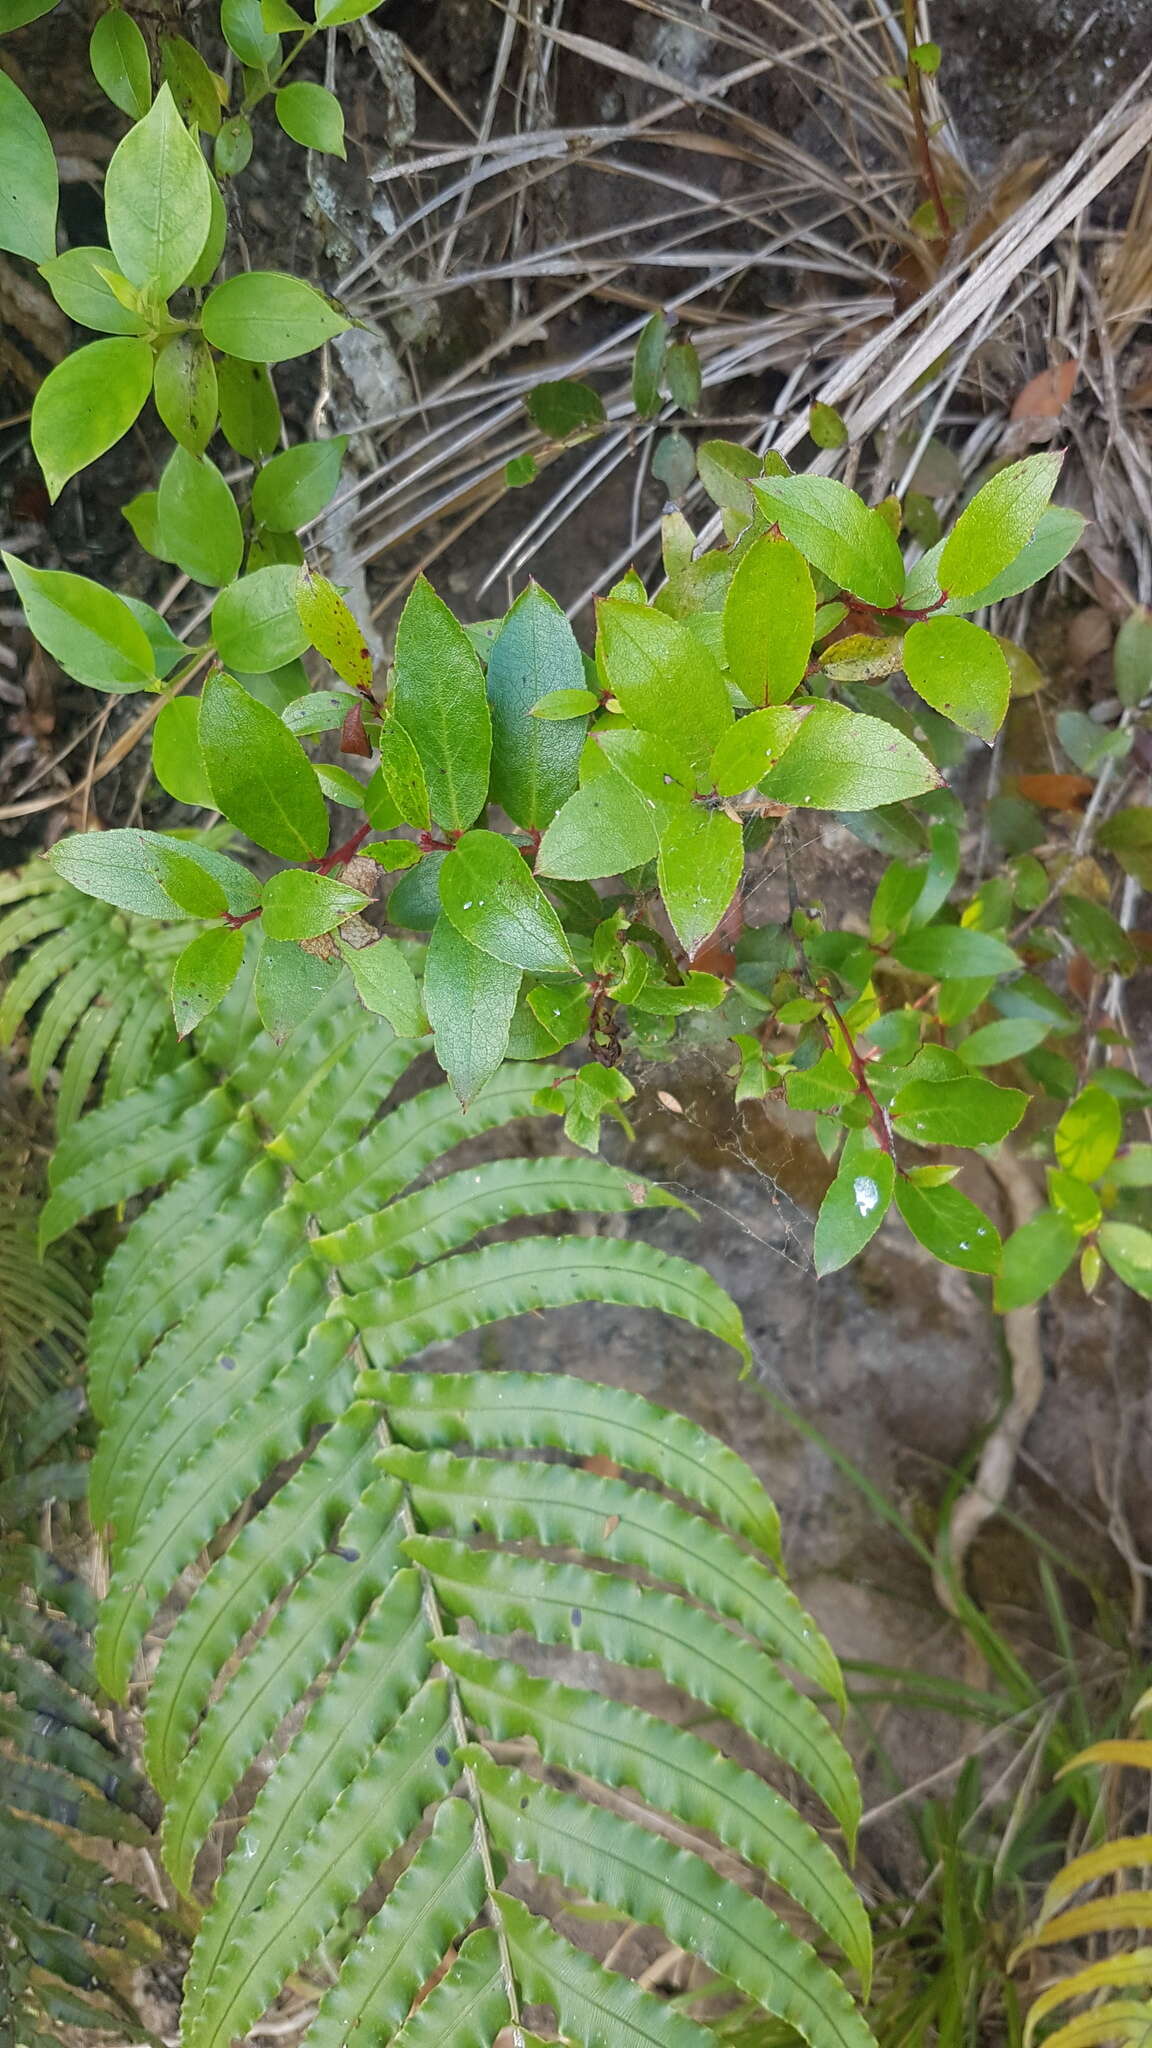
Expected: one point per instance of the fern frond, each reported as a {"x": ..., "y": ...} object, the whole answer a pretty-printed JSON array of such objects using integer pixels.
[{"x": 246, "y": 1337}]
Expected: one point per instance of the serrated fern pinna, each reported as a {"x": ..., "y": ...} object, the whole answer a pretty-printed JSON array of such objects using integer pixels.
[{"x": 392, "y": 1549}]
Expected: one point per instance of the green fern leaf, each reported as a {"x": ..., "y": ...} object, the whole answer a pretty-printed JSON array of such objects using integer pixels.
[
  {"x": 593, "y": 2007},
  {"x": 130, "y": 1145},
  {"x": 469, "y": 2005}
]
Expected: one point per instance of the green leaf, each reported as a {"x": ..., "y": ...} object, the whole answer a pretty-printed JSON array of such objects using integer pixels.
[
  {"x": 262, "y": 316},
  {"x": 724, "y": 472},
  {"x": 118, "y": 55},
  {"x": 700, "y": 864},
  {"x": 491, "y": 896},
  {"x": 399, "y": 781},
  {"x": 682, "y": 375},
  {"x": 841, "y": 760},
  {"x": 203, "y": 975},
  {"x": 1075, "y": 1199},
  {"x": 593, "y": 2004},
  {"x": 213, "y": 247},
  {"x": 1034, "y": 1258},
  {"x": 185, "y": 392},
  {"x": 1088, "y": 1134},
  {"x": 753, "y": 746},
  {"x": 1132, "y": 657},
  {"x": 387, "y": 986},
  {"x": 117, "y": 868},
  {"x": 244, "y": 32},
  {"x": 193, "y": 84},
  {"x": 838, "y": 533},
  {"x": 993, "y": 530},
  {"x": 177, "y": 762},
  {"x": 331, "y": 13},
  {"x": 199, "y": 518},
  {"x": 86, "y": 404},
  {"x": 438, "y": 694},
  {"x": 295, "y": 486},
  {"x": 948, "y": 1225},
  {"x": 300, "y": 905},
  {"x": 968, "y": 1112},
  {"x": 87, "y": 629},
  {"x": 826, "y": 426},
  {"x": 249, "y": 414},
  {"x": 255, "y": 623},
  {"x": 232, "y": 150},
  {"x": 1008, "y": 1038},
  {"x": 853, "y": 1208},
  {"x": 259, "y": 776},
  {"x": 648, "y": 365},
  {"x": 959, "y": 670},
  {"x": 29, "y": 183},
  {"x": 158, "y": 200},
  {"x": 1097, "y": 934},
  {"x": 1128, "y": 1250},
  {"x": 955, "y": 951},
  {"x": 288, "y": 985},
  {"x": 604, "y": 829},
  {"x": 470, "y": 998},
  {"x": 312, "y": 116},
  {"x": 16, "y": 13},
  {"x": 563, "y": 408},
  {"x": 75, "y": 281},
  {"x": 534, "y": 765},
  {"x": 561, "y": 704},
  {"x": 331, "y": 626},
  {"x": 665, "y": 679},
  {"x": 1132, "y": 1168},
  {"x": 520, "y": 470},
  {"x": 200, "y": 880},
  {"x": 823, "y": 1086},
  {"x": 769, "y": 616}
]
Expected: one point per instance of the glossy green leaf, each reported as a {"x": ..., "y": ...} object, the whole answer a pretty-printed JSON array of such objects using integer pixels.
[
  {"x": 185, "y": 392},
  {"x": 438, "y": 694},
  {"x": 158, "y": 200},
  {"x": 562, "y": 704},
  {"x": 753, "y": 746},
  {"x": 1034, "y": 1258},
  {"x": 953, "y": 950},
  {"x": 998, "y": 524},
  {"x": 700, "y": 863},
  {"x": 293, "y": 489},
  {"x": 535, "y": 763},
  {"x": 1128, "y": 1250},
  {"x": 841, "y": 760},
  {"x": 948, "y": 1225},
  {"x": 853, "y": 1208},
  {"x": 605, "y": 828},
  {"x": 841, "y": 536},
  {"x": 329, "y": 622},
  {"x": 301, "y": 905},
  {"x": 86, "y": 404},
  {"x": 203, "y": 975},
  {"x": 249, "y": 413},
  {"x": 960, "y": 671},
  {"x": 29, "y": 184},
  {"x": 312, "y": 116},
  {"x": 88, "y": 630},
  {"x": 968, "y": 1112},
  {"x": 491, "y": 896},
  {"x": 470, "y": 997},
  {"x": 199, "y": 519},
  {"x": 769, "y": 616},
  {"x": 255, "y": 623},
  {"x": 258, "y": 774},
  {"x": 1088, "y": 1134},
  {"x": 80, "y": 290},
  {"x": 177, "y": 762},
  {"x": 118, "y": 55},
  {"x": 666, "y": 681},
  {"x": 262, "y": 316}
]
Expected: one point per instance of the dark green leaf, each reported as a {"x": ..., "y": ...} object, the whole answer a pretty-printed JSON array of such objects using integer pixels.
[
  {"x": 826, "y": 426},
  {"x": 563, "y": 408},
  {"x": 968, "y": 1112},
  {"x": 1097, "y": 934},
  {"x": 534, "y": 765},
  {"x": 249, "y": 414},
  {"x": 244, "y": 32},
  {"x": 439, "y": 698},
  {"x": 854, "y": 1207},
  {"x": 177, "y": 762},
  {"x": 203, "y": 975},
  {"x": 700, "y": 863},
  {"x": 470, "y": 998},
  {"x": 288, "y": 985},
  {"x": 1132, "y": 657},
  {"x": 948, "y": 1225},
  {"x": 185, "y": 391},
  {"x": 1008, "y": 1038},
  {"x": 647, "y": 366},
  {"x": 193, "y": 84},
  {"x": 682, "y": 375},
  {"x": 494, "y": 901},
  {"x": 260, "y": 778},
  {"x": 952, "y": 950}
]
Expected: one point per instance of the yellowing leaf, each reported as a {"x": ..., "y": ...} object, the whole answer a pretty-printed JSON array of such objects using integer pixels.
[{"x": 332, "y": 629}]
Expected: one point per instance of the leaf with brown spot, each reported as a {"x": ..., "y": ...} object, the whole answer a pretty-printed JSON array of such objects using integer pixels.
[{"x": 332, "y": 629}]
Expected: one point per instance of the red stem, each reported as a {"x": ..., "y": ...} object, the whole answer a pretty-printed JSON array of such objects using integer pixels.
[{"x": 340, "y": 854}]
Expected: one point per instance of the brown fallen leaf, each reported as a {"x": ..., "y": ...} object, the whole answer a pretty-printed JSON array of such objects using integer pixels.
[
  {"x": 1045, "y": 395},
  {"x": 1055, "y": 792}
]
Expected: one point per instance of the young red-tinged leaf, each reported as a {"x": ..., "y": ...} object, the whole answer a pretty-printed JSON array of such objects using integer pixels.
[
  {"x": 700, "y": 863},
  {"x": 177, "y": 762},
  {"x": 492, "y": 897},
  {"x": 841, "y": 760},
  {"x": 951, "y": 1227},
  {"x": 752, "y": 746},
  {"x": 470, "y": 998},
  {"x": 998, "y": 524},
  {"x": 854, "y": 1207},
  {"x": 158, "y": 200},
  {"x": 1128, "y": 1250},
  {"x": 294, "y": 488},
  {"x": 604, "y": 829},
  {"x": 534, "y": 764},
  {"x": 203, "y": 975},
  {"x": 969, "y": 1112},
  {"x": 185, "y": 391},
  {"x": 312, "y": 116},
  {"x": 1089, "y": 1133},
  {"x": 301, "y": 905},
  {"x": 1008, "y": 1038},
  {"x": 954, "y": 951},
  {"x": 331, "y": 627},
  {"x": 838, "y": 534},
  {"x": 288, "y": 984},
  {"x": 353, "y": 737},
  {"x": 959, "y": 670},
  {"x": 249, "y": 413},
  {"x": 86, "y": 404},
  {"x": 769, "y": 621},
  {"x": 562, "y": 704},
  {"x": 439, "y": 698},
  {"x": 264, "y": 317},
  {"x": 387, "y": 986},
  {"x": 648, "y": 365},
  {"x": 260, "y": 778},
  {"x": 255, "y": 623},
  {"x": 29, "y": 182},
  {"x": 87, "y": 629},
  {"x": 563, "y": 408},
  {"x": 1034, "y": 1258},
  {"x": 199, "y": 520},
  {"x": 666, "y": 681}
]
